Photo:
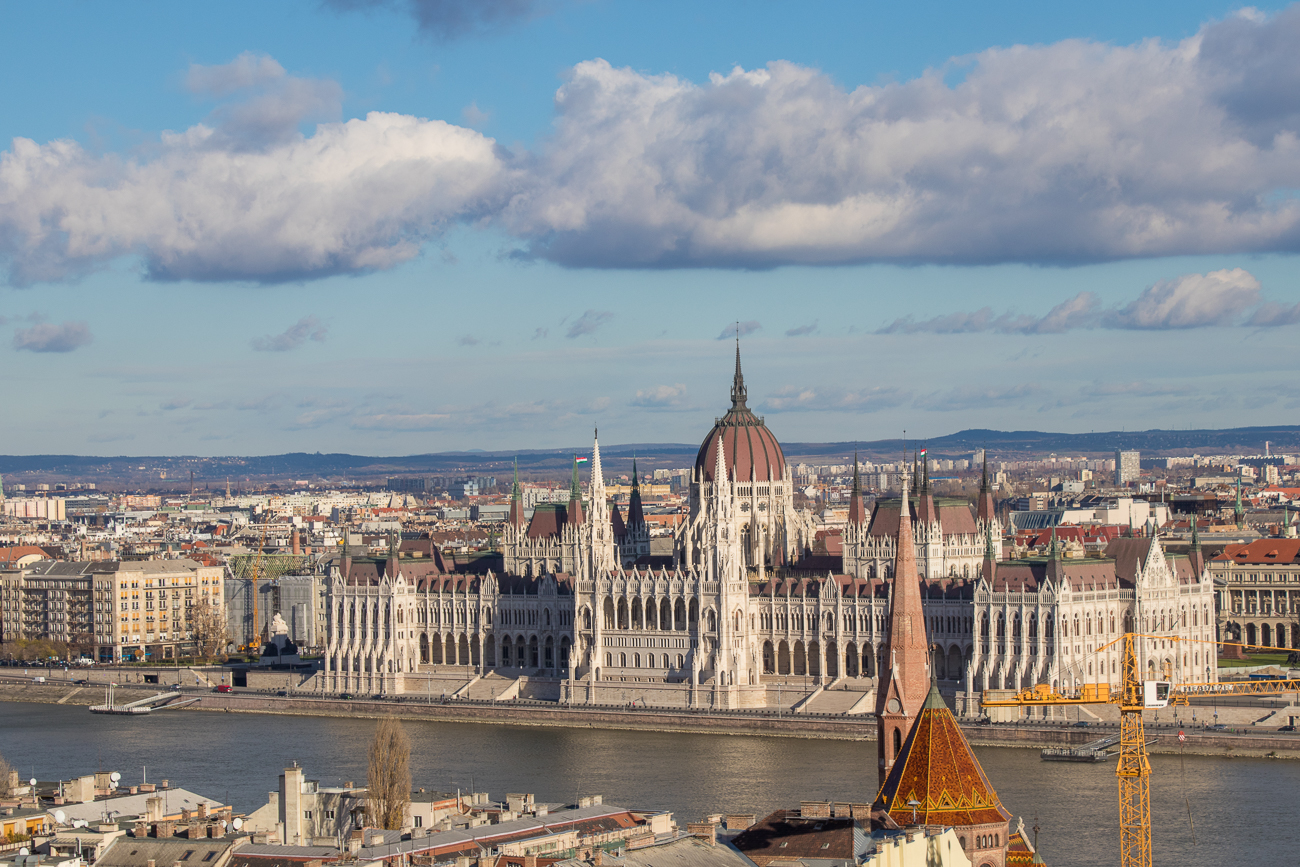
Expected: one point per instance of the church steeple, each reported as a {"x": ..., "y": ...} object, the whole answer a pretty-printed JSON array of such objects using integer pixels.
[{"x": 906, "y": 680}]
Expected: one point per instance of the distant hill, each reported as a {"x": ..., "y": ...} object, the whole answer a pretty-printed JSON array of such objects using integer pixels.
[{"x": 1002, "y": 444}]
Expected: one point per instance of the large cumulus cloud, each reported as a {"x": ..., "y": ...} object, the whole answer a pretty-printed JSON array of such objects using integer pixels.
[
  {"x": 1070, "y": 152},
  {"x": 248, "y": 197}
]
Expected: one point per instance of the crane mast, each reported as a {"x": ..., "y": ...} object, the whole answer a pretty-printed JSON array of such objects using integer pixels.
[{"x": 1134, "y": 768}]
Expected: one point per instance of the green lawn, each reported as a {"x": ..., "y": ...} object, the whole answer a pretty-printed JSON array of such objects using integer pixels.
[{"x": 1278, "y": 659}]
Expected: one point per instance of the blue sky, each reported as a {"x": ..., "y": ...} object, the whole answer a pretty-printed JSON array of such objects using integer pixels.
[{"x": 420, "y": 225}]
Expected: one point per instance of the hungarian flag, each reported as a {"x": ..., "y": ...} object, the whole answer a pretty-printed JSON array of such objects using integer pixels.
[
  {"x": 580, "y": 460},
  {"x": 922, "y": 452}
]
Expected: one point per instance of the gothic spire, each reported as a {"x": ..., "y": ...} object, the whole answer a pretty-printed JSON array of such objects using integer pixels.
[
  {"x": 516, "y": 516},
  {"x": 905, "y": 677},
  {"x": 1237, "y": 511},
  {"x": 574, "y": 514},
  {"x": 738, "y": 393},
  {"x": 984, "y": 477},
  {"x": 989, "y": 568},
  {"x": 635, "y": 512},
  {"x": 857, "y": 512}
]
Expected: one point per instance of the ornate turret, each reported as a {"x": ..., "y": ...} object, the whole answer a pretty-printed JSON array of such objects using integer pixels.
[
  {"x": 1239, "y": 512},
  {"x": 988, "y": 570},
  {"x": 905, "y": 677},
  {"x": 635, "y": 513},
  {"x": 1054, "y": 558},
  {"x": 857, "y": 512},
  {"x": 984, "y": 506},
  {"x": 738, "y": 392},
  {"x": 516, "y": 516},
  {"x": 574, "y": 512},
  {"x": 345, "y": 568},
  {"x": 391, "y": 567},
  {"x": 1194, "y": 550}
]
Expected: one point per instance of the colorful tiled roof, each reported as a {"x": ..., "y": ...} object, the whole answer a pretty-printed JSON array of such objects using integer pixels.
[{"x": 938, "y": 769}]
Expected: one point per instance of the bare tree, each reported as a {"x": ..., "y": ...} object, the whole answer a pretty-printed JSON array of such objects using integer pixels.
[
  {"x": 208, "y": 626},
  {"x": 388, "y": 782},
  {"x": 8, "y": 777}
]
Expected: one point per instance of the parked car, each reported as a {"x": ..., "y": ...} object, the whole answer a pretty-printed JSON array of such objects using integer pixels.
[
  {"x": 1081, "y": 723},
  {"x": 1287, "y": 728},
  {"x": 38, "y": 679},
  {"x": 346, "y": 695},
  {"x": 1219, "y": 728},
  {"x": 224, "y": 687},
  {"x": 283, "y": 692}
]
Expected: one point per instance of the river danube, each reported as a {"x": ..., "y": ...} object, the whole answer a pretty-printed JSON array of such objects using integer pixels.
[{"x": 1242, "y": 809}]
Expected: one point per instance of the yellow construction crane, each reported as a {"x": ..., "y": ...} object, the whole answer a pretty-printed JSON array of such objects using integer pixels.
[{"x": 1134, "y": 696}]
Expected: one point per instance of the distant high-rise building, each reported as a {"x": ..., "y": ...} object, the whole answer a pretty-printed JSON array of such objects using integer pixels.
[
  {"x": 406, "y": 485},
  {"x": 1128, "y": 466}
]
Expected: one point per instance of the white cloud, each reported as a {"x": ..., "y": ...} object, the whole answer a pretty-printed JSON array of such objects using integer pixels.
[
  {"x": 246, "y": 70},
  {"x": 1063, "y": 153},
  {"x": 307, "y": 328},
  {"x": 46, "y": 337},
  {"x": 1069, "y": 152},
  {"x": 818, "y": 399},
  {"x": 1077, "y": 312},
  {"x": 1218, "y": 298},
  {"x": 1191, "y": 301},
  {"x": 250, "y": 199},
  {"x": 801, "y": 330},
  {"x": 1271, "y": 314},
  {"x": 739, "y": 329},
  {"x": 979, "y": 398},
  {"x": 588, "y": 322},
  {"x": 660, "y": 397}
]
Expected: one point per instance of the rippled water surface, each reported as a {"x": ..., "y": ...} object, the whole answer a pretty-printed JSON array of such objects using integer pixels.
[{"x": 1239, "y": 807}]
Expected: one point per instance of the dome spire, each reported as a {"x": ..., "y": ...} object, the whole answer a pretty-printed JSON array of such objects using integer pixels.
[{"x": 738, "y": 393}]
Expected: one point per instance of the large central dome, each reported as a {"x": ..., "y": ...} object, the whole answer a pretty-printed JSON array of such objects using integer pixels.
[{"x": 748, "y": 446}]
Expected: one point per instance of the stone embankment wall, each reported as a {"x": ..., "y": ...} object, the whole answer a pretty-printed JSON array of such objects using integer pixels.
[{"x": 1199, "y": 742}]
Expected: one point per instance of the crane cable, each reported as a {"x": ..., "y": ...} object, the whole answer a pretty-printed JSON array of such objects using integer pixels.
[{"x": 1182, "y": 759}]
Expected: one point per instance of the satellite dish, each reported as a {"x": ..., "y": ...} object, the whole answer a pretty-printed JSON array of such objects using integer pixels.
[
  {"x": 60, "y": 816},
  {"x": 238, "y": 823},
  {"x": 115, "y": 776},
  {"x": 80, "y": 823},
  {"x": 32, "y": 781},
  {"x": 23, "y": 851},
  {"x": 223, "y": 824}
]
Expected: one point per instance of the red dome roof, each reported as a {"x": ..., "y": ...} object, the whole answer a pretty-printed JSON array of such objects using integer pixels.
[{"x": 748, "y": 446}]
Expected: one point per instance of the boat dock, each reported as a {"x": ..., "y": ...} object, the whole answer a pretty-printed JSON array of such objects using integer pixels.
[
  {"x": 161, "y": 701},
  {"x": 1097, "y": 751}
]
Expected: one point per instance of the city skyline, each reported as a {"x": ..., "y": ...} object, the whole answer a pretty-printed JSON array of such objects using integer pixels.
[{"x": 401, "y": 228}]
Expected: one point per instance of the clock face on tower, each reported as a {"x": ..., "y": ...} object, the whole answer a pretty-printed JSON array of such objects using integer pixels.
[{"x": 893, "y": 706}]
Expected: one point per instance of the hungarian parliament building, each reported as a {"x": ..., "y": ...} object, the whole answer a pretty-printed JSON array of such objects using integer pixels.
[{"x": 739, "y": 607}]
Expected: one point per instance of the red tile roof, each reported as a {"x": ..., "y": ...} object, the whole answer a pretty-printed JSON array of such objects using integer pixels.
[
  {"x": 937, "y": 768},
  {"x": 1263, "y": 552}
]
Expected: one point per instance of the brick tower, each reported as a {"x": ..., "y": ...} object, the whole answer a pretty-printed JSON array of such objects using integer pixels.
[{"x": 905, "y": 670}]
